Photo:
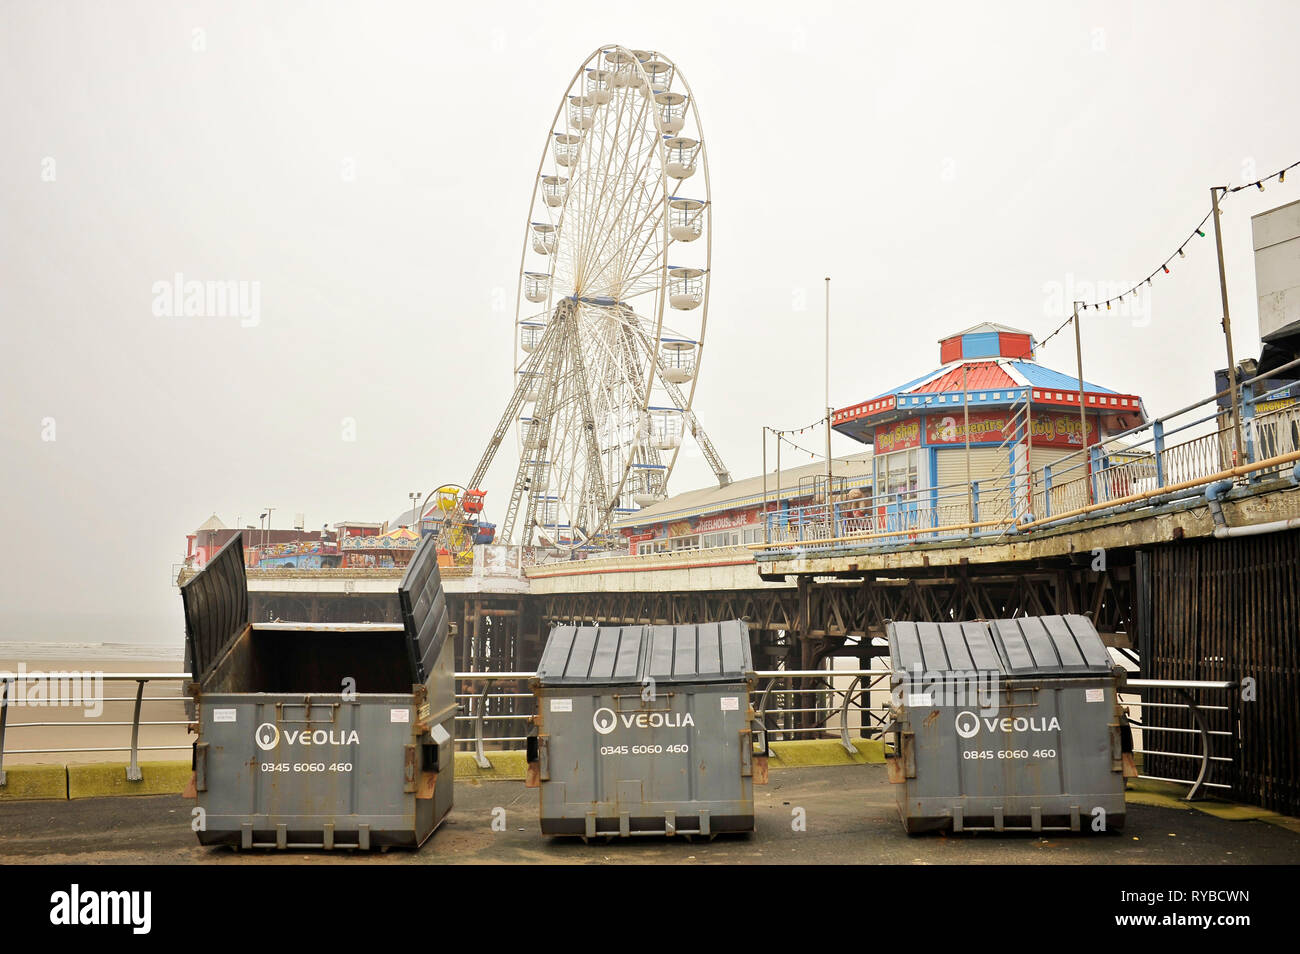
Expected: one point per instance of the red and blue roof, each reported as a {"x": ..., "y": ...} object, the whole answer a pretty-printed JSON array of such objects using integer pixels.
[{"x": 999, "y": 367}]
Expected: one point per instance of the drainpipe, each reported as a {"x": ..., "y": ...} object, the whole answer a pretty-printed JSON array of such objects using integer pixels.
[
  {"x": 1213, "y": 496},
  {"x": 1255, "y": 529}
]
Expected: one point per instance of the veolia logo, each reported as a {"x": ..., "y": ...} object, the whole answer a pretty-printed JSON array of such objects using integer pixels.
[
  {"x": 267, "y": 736},
  {"x": 967, "y": 724},
  {"x": 605, "y": 721}
]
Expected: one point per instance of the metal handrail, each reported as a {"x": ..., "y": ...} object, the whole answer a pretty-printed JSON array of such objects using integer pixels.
[
  {"x": 133, "y": 772},
  {"x": 478, "y": 713},
  {"x": 1108, "y": 470},
  {"x": 1184, "y": 688},
  {"x": 863, "y": 682},
  {"x": 761, "y": 711}
]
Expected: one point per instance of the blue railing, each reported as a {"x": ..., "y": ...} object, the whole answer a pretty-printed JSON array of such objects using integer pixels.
[{"x": 1173, "y": 455}]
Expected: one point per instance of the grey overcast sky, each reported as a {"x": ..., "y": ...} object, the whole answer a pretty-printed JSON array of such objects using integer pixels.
[{"x": 945, "y": 164}]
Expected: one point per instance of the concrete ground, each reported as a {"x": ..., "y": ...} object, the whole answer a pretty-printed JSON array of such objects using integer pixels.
[{"x": 849, "y": 811}]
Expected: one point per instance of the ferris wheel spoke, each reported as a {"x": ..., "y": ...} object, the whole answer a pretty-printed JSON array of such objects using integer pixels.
[
  {"x": 618, "y": 144},
  {"x": 621, "y": 136},
  {"x": 616, "y": 440},
  {"x": 647, "y": 289},
  {"x": 598, "y": 332},
  {"x": 605, "y": 142},
  {"x": 653, "y": 265},
  {"x": 627, "y": 230},
  {"x": 647, "y": 227}
]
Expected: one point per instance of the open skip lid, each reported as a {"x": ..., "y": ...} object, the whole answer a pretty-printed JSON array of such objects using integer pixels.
[
  {"x": 1026, "y": 646},
  {"x": 216, "y": 608},
  {"x": 217, "y": 612},
  {"x": 605, "y": 655},
  {"x": 424, "y": 608}
]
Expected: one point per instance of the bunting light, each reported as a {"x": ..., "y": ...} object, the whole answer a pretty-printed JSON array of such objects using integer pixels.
[{"x": 1163, "y": 268}]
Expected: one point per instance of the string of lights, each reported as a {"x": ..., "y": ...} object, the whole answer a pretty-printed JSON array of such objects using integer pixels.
[
  {"x": 820, "y": 422},
  {"x": 1198, "y": 231},
  {"x": 1280, "y": 176},
  {"x": 1163, "y": 268},
  {"x": 780, "y": 436}
]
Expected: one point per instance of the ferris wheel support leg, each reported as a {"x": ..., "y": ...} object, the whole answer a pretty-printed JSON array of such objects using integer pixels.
[
  {"x": 553, "y": 364},
  {"x": 710, "y": 452},
  {"x": 457, "y": 515},
  {"x": 631, "y": 358},
  {"x": 689, "y": 419},
  {"x": 550, "y": 358},
  {"x": 597, "y": 496}
]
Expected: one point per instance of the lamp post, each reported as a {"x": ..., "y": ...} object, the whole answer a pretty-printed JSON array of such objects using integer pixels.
[
  {"x": 778, "y": 474},
  {"x": 965, "y": 413},
  {"x": 1215, "y": 192},
  {"x": 829, "y": 479},
  {"x": 1083, "y": 418}
]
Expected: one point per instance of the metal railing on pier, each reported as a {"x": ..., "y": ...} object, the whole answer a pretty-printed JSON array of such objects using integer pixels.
[
  {"x": 1179, "y": 455},
  {"x": 496, "y": 709}
]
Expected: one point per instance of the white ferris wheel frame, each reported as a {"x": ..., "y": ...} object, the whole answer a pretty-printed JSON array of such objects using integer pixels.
[{"x": 524, "y": 309}]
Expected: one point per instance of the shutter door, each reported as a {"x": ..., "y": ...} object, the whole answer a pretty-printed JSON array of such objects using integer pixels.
[{"x": 988, "y": 466}]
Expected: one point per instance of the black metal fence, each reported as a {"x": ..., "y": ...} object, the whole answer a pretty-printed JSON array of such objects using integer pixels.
[{"x": 1228, "y": 610}]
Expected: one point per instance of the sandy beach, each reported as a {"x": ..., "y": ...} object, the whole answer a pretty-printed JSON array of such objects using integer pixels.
[{"x": 75, "y": 722}]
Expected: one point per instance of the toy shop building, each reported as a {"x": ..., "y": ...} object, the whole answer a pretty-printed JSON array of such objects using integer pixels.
[{"x": 1020, "y": 415}]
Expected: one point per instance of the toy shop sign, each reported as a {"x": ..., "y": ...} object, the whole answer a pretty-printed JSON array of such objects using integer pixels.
[{"x": 898, "y": 436}]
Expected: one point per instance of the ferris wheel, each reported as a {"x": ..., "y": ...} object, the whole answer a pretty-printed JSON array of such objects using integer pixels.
[{"x": 612, "y": 303}]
